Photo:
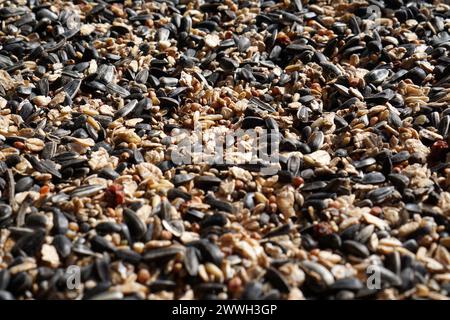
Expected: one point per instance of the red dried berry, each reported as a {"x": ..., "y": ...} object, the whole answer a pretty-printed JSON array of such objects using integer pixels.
[
  {"x": 114, "y": 195},
  {"x": 440, "y": 144},
  {"x": 438, "y": 150},
  {"x": 297, "y": 181},
  {"x": 322, "y": 229}
]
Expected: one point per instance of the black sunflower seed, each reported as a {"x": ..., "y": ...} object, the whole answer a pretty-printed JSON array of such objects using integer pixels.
[
  {"x": 86, "y": 191},
  {"x": 100, "y": 244},
  {"x": 136, "y": 226},
  {"x": 31, "y": 243},
  {"x": 167, "y": 102},
  {"x": 72, "y": 88},
  {"x": 219, "y": 204},
  {"x": 5, "y": 276},
  {"x": 181, "y": 179},
  {"x": 20, "y": 283},
  {"x": 355, "y": 248},
  {"x": 277, "y": 280},
  {"x": 191, "y": 261},
  {"x": 175, "y": 227},
  {"x": 112, "y": 88},
  {"x": 209, "y": 251},
  {"x": 128, "y": 256},
  {"x": 126, "y": 110},
  {"x": 373, "y": 178},
  {"x": 60, "y": 222},
  {"x": 62, "y": 245},
  {"x": 353, "y": 284},
  {"x": 294, "y": 164},
  {"x": 206, "y": 182},
  {"x": 5, "y": 212},
  {"x": 161, "y": 253}
]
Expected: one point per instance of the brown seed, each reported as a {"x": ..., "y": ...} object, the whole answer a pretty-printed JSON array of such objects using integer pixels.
[
  {"x": 235, "y": 284},
  {"x": 143, "y": 276},
  {"x": 166, "y": 235},
  {"x": 376, "y": 211},
  {"x": 297, "y": 181},
  {"x": 19, "y": 145}
]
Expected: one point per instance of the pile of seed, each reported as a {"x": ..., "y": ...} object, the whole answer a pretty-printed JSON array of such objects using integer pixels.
[{"x": 91, "y": 93}]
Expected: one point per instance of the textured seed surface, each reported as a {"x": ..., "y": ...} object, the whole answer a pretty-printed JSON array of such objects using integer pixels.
[{"x": 95, "y": 97}]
